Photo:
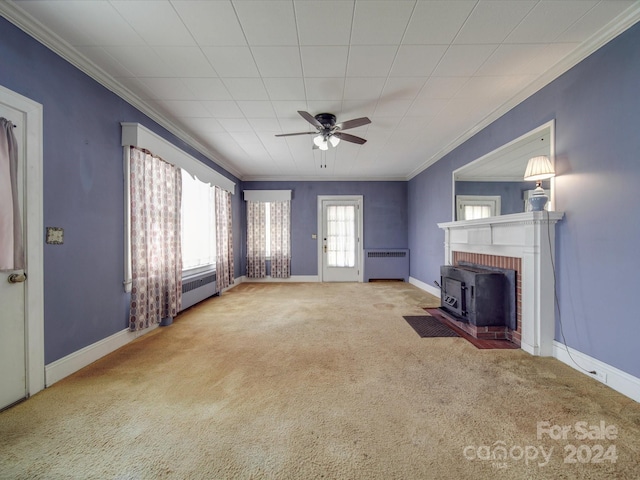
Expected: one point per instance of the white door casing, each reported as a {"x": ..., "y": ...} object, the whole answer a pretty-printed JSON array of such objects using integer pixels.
[
  {"x": 340, "y": 263},
  {"x": 22, "y": 312}
]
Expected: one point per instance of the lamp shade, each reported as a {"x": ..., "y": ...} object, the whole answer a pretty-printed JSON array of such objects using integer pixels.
[
  {"x": 334, "y": 141},
  {"x": 539, "y": 168},
  {"x": 318, "y": 140}
]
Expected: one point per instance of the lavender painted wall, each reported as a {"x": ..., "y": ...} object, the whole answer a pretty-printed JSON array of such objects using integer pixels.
[
  {"x": 596, "y": 107},
  {"x": 385, "y": 216},
  {"x": 83, "y": 192}
]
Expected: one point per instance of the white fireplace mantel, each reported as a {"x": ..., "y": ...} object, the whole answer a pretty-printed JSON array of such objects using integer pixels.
[{"x": 531, "y": 237}]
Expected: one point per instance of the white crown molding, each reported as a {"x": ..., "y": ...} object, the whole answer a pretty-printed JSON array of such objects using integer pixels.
[
  {"x": 618, "y": 25},
  {"x": 44, "y": 35},
  {"x": 258, "y": 178}
]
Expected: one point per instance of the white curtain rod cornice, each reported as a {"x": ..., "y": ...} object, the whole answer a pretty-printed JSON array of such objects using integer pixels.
[
  {"x": 267, "y": 195},
  {"x": 136, "y": 135}
]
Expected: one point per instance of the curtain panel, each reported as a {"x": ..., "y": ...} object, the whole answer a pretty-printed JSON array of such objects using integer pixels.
[
  {"x": 224, "y": 239},
  {"x": 256, "y": 240},
  {"x": 11, "y": 245},
  {"x": 280, "y": 239},
  {"x": 156, "y": 253}
]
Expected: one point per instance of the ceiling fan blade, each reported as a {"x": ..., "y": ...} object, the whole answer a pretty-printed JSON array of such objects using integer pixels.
[
  {"x": 350, "y": 138},
  {"x": 310, "y": 118},
  {"x": 356, "y": 122},
  {"x": 299, "y": 133}
]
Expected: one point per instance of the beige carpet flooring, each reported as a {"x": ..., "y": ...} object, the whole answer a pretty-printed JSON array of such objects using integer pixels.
[{"x": 310, "y": 381}]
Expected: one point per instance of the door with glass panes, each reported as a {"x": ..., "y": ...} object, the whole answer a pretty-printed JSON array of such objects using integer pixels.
[{"x": 341, "y": 239}]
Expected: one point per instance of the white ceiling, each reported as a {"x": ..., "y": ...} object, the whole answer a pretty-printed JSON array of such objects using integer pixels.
[{"x": 227, "y": 75}]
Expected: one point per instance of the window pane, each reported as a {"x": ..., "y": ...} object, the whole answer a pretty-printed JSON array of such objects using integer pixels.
[
  {"x": 472, "y": 212},
  {"x": 198, "y": 223},
  {"x": 341, "y": 236}
]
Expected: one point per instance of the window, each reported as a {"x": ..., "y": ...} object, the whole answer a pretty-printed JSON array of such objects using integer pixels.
[
  {"x": 471, "y": 207},
  {"x": 198, "y": 224}
]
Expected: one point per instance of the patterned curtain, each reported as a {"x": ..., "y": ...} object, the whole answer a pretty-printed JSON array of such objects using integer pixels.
[
  {"x": 224, "y": 240},
  {"x": 280, "y": 239},
  {"x": 11, "y": 246},
  {"x": 156, "y": 253},
  {"x": 256, "y": 240}
]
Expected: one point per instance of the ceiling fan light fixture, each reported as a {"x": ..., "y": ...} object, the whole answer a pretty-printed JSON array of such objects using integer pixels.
[
  {"x": 324, "y": 145},
  {"x": 334, "y": 141},
  {"x": 318, "y": 140}
]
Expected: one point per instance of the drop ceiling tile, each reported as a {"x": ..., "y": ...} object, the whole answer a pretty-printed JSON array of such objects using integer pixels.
[
  {"x": 594, "y": 19},
  {"x": 233, "y": 125},
  {"x": 262, "y": 125},
  {"x": 324, "y": 61},
  {"x": 105, "y": 61},
  {"x": 211, "y": 23},
  {"x": 370, "y": 61},
  {"x": 358, "y": 108},
  {"x": 160, "y": 25},
  {"x": 363, "y": 88},
  {"x": 185, "y": 108},
  {"x": 203, "y": 125},
  {"x": 437, "y": 22},
  {"x": 245, "y": 137},
  {"x": 84, "y": 23},
  {"x": 267, "y": 23},
  {"x": 463, "y": 60},
  {"x": 549, "y": 56},
  {"x": 486, "y": 87},
  {"x": 246, "y": 88},
  {"x": 492, "y": 20},
  {"x": 417, "y": 60},
  {"x": 511, "y": 59},
  {"x": 285, "y": 88},
  {"x": 231, "y": 61},
  {"x": 207, "y": 88},
  {"x": 223, "y": 109},
  {"x": 380, "y": 22},
  {"x": 442, "y": 87},
  {"x": 324, "y": 88},
  {"x": 257, "y": 109},
  {"x": 317, "y": 27},
  {"x": 278, "y": 61},
  {"x": 288, "y": 109},
  {"x": 548, "y": 20},
  {"x": 141, "y": 61},
  {"x": 390, "y": 108},
  {"x": 186, "y": 61},
  {"x": 427, "y": 108},
  {"x": 403, "y": 87},
  {"x": 167, "y": 89}
]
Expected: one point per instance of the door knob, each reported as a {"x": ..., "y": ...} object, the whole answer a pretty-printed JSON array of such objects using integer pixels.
[{"x": 17, "y": 277}]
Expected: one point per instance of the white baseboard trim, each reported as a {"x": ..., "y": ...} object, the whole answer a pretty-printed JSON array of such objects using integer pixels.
[
  {"x": 611, "y": 376},
  {"x": 56, "y": 371},
  {"x": 292, "y": 279},
  {"x": 425, "y": 286}
]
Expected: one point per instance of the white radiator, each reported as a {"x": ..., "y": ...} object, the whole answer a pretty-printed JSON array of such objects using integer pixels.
[
  {"x": 386, "y": 264},
  {"x": 196, "y": 288}
]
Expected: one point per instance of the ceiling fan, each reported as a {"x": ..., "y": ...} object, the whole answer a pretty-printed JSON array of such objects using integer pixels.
[{"x": 328, "y": 131}]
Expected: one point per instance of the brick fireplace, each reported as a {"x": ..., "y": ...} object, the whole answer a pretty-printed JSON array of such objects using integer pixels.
[
  {"x": 524, "y": 242},
  {"x": 494, "y": 332}
]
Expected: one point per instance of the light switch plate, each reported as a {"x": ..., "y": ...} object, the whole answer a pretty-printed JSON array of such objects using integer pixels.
[{"x": 55, "y": 235}]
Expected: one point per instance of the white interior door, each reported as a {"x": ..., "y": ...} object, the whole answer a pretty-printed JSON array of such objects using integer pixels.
[
  {"x": 13, "y": 364},
  {"x": 341, "y": 249}
]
